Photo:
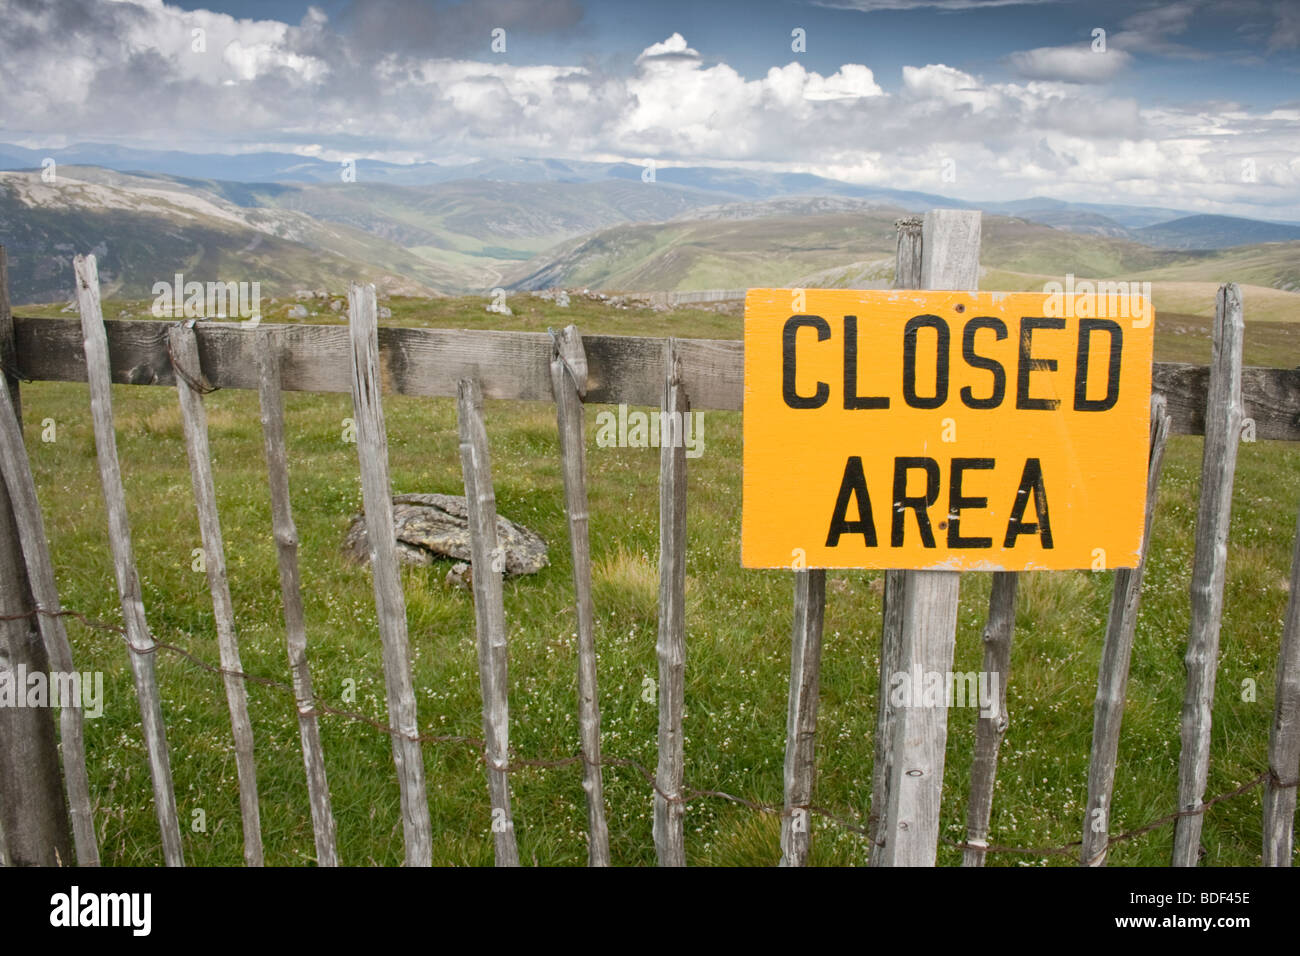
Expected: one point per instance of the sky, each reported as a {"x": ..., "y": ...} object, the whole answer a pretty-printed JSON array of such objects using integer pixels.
[{"x": 1189, "y": 104}]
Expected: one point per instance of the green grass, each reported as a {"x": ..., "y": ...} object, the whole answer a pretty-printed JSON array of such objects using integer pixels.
[{"x": 738, "y": 635}]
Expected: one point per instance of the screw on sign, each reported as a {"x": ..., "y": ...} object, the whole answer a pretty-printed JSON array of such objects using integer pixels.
[{"x": 944, "y": 430}]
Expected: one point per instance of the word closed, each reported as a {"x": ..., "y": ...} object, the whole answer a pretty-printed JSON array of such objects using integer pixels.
[{"x": 942, "y": 430}]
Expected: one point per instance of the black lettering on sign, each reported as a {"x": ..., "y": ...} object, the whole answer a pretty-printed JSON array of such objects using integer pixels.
[
  {"x": 1028, "y": 324},
  {"x": 788, "y": 391},
  {"x": 940, "y": 395},
  {"x": 1031, "y": 482},
  {"x": 851, "y": 397},
  {"x": 957, "y": 501},
  {"x": 918, "y": 503},
  {"x": 854, "y": 484},
  {"x": 1082, "y": 403},
  {"x": 983, "y": 362}
]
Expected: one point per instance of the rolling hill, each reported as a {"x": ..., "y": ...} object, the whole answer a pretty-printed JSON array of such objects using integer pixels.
[
  {"x": 145, "y": 234},
  {"x": 1215, "y": 232},
  {"x": 723, "y": 184},
  {"x": 451, "y": 237},
  {"x": 783, "y": 242},
  {"x": 794, "y": 244},
  {"x": 588, "y": 225},
  {"x": 482, "y": 228}
]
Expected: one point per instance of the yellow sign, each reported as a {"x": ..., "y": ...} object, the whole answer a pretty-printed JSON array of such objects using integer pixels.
[{"x": 945, "y": 430}]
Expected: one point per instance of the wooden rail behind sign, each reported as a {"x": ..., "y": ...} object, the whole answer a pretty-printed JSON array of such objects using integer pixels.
[
  {"x": 516, "y": 366},
  {"x": 945, "y": 430}
]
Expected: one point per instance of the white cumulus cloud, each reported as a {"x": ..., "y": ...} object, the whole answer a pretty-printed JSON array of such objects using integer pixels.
[
  {"x": 128, "y": 72},
  {"x": 1070, "y": 64}
]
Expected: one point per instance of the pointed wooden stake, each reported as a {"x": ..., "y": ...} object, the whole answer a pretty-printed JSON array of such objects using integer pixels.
[
  {"x": 141, "y": 643},
  {"x": 1116, "y": 653},
  {"x": 185, "y": 350},
  {"x": 488, "y": 563},
  {"x": 295, "y": 629},
  {"x": 390, "y": 603},
  {"x": 1223, "y": 419},
  {"x": 669, "y": 808},
  {"x": 569, "y": 383}
]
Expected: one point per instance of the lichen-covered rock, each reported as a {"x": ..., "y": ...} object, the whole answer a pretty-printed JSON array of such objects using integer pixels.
[{"x": 435, "y": 526}]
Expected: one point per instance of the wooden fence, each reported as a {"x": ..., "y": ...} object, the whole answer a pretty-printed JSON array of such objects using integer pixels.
[{"x": 570, "y": 370}]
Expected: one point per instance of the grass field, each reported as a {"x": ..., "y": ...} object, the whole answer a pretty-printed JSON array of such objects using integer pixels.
[{"x": 738, "y": 634}]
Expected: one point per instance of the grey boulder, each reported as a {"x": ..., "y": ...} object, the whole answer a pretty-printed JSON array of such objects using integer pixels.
[{"x": 429, "y": 527}]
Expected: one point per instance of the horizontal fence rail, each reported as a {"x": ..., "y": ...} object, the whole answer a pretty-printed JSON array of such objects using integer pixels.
[{"x": 516, "y": 365}]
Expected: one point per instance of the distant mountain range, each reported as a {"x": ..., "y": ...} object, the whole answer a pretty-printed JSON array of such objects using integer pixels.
[
  {"x": 447, "y": 238},
  {"x": 720, "y": 183},
  {"x": 1215, "y": 232},
  {"x": 292, "y": 222},
  {"x": 790, "y": 242}
]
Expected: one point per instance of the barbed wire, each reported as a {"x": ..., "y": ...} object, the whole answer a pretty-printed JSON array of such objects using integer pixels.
[{"x": 685, "y": 796}]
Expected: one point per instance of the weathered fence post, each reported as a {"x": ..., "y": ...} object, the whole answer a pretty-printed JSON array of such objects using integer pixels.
[
  {"x": 910, "y": 835},
  {"x": 801, "y": 719},
  {"x": 184, "y": 348},
  {"x": 390, "y": 603},
  {"x": 991, "y": 728},
  {"x": 569, "y": 385},
  {"x": 669, "y": 806},
  {"x": 1116, "y": 654},
  {"x": 139, "y": 641},
  {"x": 295, "y": 629},
  {"x": 891, "y": 640},
  {"x": 34, "y": 823},
  {"x": 487, "y": 563},
  {"x": 40, "y": 571},
  {"x": 1284, "y": 735},
  {"x": 907, "y": 254},
  {"x": 1223, "y": 420},
  {"x": 907, "y": 275}
]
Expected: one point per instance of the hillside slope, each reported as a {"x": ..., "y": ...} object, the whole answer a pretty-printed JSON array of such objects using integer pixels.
[
  {"x": 1214, "y": 232},
  {"x": 615, "y": 233},
  {"x": 778, "y": 242},
  {"x": 782, "y": 244},
  {"x": 146, "y": 233}
]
